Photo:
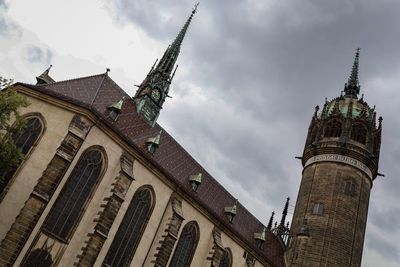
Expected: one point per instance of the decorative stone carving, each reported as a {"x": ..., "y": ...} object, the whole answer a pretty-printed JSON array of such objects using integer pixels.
[
  {"x": 171, "y": 233},
  {"x": 217, "y": 251}
]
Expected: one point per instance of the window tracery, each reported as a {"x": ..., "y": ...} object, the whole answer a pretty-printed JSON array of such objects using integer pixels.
[
  {"x": 23, "y": 140},
  {"x": 226, "y": 260},
  {"x": 130, "y": 231},
  {"x": 333, "y": 128},
  {"x": 359, "y": 133},
  {"x": 186, "y": 246},
  {"x": 69, "y": 205}
]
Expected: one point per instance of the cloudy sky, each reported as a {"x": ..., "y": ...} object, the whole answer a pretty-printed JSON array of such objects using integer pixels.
[{"x": 250, "y": 74}]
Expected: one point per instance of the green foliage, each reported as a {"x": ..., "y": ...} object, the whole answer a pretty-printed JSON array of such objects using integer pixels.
[{"x": 10, "y": 124}]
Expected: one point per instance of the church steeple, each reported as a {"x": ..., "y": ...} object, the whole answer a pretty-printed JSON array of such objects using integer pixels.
[
  {"x": 153, "y": 91},
  {"x": 352, "y": 87}
]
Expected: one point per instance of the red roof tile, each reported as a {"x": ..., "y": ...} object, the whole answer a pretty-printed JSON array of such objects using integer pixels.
[{"x": 100, "y": 91}]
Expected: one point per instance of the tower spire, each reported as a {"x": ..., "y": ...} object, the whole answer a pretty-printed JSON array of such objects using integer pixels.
[
  {"x": 284, "y": 213},
  {"x": 168, "y": 61},
  {"x": 153, "y": 91},
  {"x": 352, "y": 87}
]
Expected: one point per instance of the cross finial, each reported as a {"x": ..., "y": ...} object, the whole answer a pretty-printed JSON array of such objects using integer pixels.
[{"x": 195, "y": 7}]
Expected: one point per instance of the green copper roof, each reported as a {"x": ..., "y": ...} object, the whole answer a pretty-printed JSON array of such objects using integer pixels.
[
  {"x": 155, "y": 140},
  {"x": 118, "y": 105},
  {"x": 260, "y": 236},
  {"x": 358, "y": 108},
  {"x": 196, "y": 177}
]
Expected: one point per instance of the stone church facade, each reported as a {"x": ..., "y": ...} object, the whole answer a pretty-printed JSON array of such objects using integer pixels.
[{"x": 103, "y": 184}]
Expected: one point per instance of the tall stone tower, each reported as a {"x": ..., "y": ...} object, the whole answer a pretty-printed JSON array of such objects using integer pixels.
[{"x": 340, "y": 161}]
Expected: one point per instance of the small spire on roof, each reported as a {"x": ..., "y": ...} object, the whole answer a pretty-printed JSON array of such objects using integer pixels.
[
  {"x": 45, "y": 78},
  {"x": 284, "y": 213},
  {"x": 271, "y": 219},
  {"x": 108, "y": 70}
]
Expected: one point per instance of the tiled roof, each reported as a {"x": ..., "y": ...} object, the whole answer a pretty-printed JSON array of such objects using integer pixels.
[{"x": 100, "y": 91}]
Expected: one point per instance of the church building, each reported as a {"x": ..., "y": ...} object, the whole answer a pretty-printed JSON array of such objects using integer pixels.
[{"x": 103, "y": 184}]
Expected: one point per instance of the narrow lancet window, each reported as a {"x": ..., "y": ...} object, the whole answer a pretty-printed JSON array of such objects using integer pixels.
[
  {"x": 333, "y": 128},
  {"x": 186, "y": 247},
  {"x": 69, "y": 206},
  {"x": 24, "y": 140},
  {"x": 131, "y": 229},
  {"x": 359, "y": 133}
]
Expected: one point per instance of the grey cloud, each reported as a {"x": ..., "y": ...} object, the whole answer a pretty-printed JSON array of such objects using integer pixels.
[
  {"x": 36, "y": 54},
  {"x": 263, "y": 66}
]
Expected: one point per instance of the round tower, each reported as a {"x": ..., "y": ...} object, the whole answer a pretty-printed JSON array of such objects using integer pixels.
[{"x": 340, "y": 161}]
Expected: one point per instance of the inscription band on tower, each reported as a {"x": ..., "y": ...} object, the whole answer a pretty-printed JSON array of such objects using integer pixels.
[{"x": 341, "y": 159}]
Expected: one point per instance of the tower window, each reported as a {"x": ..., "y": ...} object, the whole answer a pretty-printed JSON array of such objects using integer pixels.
[
  {"x": 318, "y": 209},
  {"x": 350, "y": 189},
  {"x": 359, "y": 133},
  {"x": 333, "y": 128},
  {"x": 113, "y": 114}
]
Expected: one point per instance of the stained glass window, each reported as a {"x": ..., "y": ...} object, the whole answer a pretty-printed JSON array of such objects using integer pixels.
[
  {"x": 38, "y": 257},
  {"x": 131, "y": 229},
  {"x": 186, "y": 246},
  {"x": 24, "y": 140},
  {"x": 69, "y": 205},
  {"x": 226, "y": 259}
]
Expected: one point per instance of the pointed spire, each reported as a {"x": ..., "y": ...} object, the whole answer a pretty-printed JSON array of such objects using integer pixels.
[
  {"x": 168, "y": 61},
  {"x": 45, "y": 78},
  {"x": 271, "y": 220},
  {"x": 352, "y": 87},
  {"x": 154, "y": 89},
  {"x": 284, "y": 213}
]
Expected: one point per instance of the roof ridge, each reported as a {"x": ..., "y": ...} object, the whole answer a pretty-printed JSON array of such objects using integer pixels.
[{"x": 70, "y": 80}]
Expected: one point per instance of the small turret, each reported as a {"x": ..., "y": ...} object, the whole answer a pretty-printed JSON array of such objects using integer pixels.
[{"x": 45, "y": 78}]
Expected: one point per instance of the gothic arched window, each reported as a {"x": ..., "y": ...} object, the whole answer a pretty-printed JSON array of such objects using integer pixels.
[
  {"x": 70, "y": 204},
  {"x": 333, "y": 128},
  {"x": 24, "y": 140},
  {"x": 226, "y": 259},
  {"x": 131, "y": 229},
  {"x": 186, "y": 245},
  {"x": 38, "y": 257},
  {"x": 359, "y": 133},
  {"x": 350, "y": 188}
]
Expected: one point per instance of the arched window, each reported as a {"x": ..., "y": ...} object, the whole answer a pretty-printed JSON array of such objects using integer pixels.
[
  {"x": 131, "y": 229},
  {"x": 23, "y": 140},
  {"x": 358, "y": 133},
  {"x": 350, "y": 188},
  {"x": 70, "y": 204},
  {"x": 38, "y": 257},
  {"x": 333, "y": 128},
  {"x": 226, "y": 259},
  {"x": 186, "y": 247}
]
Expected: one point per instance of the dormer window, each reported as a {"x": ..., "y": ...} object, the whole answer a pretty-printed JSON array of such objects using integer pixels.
[
  {"x": 113, "y": 114},
  {"x": 153, "y": 143},
  {"x": 115, "y": 109}
]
